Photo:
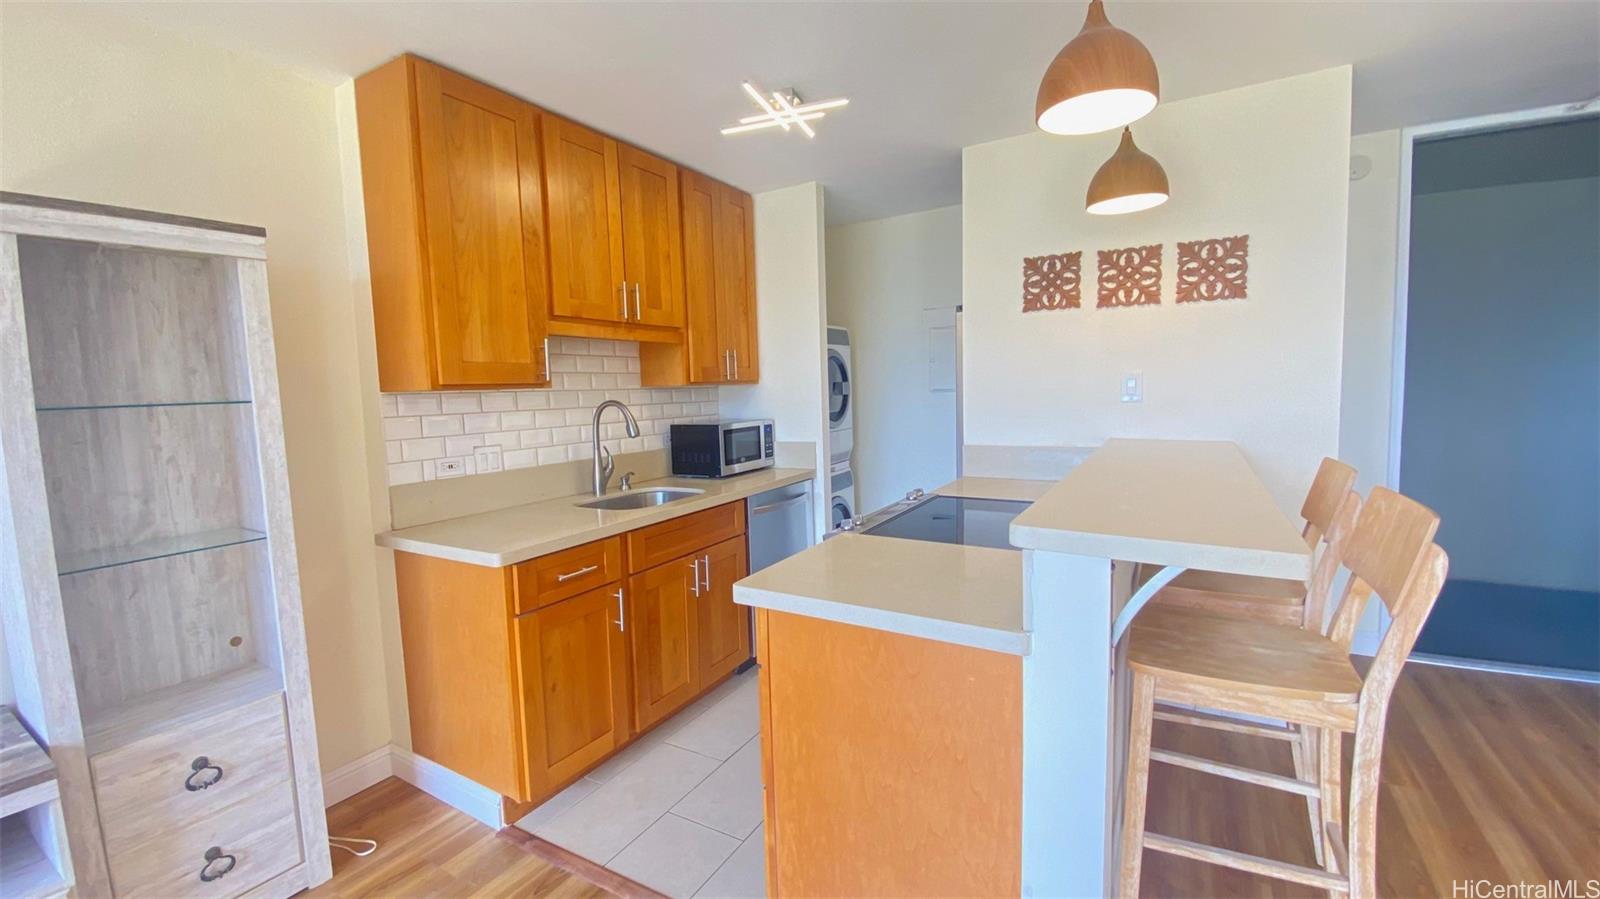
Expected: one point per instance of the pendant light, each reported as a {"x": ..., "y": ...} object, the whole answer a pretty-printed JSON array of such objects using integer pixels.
[
  {"x": 1102, "y": 79},
  {"x": 1129, "y": 181}
]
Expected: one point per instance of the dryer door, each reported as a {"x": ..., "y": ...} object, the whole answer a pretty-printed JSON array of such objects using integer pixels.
[{"x": 838, "y": 391}]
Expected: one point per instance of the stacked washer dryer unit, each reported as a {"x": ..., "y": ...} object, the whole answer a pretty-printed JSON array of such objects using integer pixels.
[{"x": 841, "y": 431}]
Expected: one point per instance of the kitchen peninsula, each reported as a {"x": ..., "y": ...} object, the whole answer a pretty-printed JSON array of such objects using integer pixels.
[{"x": 945, "y": 719}]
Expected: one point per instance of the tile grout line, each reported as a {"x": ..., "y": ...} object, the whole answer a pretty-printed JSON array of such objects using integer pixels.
[{"x": 660, "y": 816}]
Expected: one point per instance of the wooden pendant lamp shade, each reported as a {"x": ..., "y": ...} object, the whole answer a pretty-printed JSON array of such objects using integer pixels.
[
  {"x": 1129, "y": 181},
  {"x": 1102, "y": 79}
]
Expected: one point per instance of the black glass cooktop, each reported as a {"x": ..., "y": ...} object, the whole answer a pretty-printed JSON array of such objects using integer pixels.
[{"x": 955, "y": 519}]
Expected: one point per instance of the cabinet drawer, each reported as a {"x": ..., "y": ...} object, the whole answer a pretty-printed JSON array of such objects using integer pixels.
[
  {"x": 648, "y": 547},
  {"x": 257, "y": 829},
  {"x": 569, "y": 572},
  {"x": 150, "y": 787}
]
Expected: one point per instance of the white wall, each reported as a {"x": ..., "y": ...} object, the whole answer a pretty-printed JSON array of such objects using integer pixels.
[
  {"x": 791, "y": 320},
  {"x": 1503, "y": 380},
  {"x": 103, "y": 109},
  {"x": 1270, "y": 161},
  {"x": 882, "y": 276}
]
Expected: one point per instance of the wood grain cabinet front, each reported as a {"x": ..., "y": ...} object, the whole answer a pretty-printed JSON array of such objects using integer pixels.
[
  {"x": 453, "y": 187},
  {"x": 724, "y": 625},
  {"x": 665, "y": 640},
  {"x": 719, "y": 341},
  {"x": 552, "y": 578},
  {"x": 616, "y": 262},
  {"x": 572, "y": 659}
]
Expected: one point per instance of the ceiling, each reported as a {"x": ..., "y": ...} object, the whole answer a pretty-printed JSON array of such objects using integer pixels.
[{"x": 924, "y": 79}]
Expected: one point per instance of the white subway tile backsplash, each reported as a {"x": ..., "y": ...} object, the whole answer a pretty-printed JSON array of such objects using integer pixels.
[
  {"x": 536, "y": 427},
  {"x": 417, "y": 404}
]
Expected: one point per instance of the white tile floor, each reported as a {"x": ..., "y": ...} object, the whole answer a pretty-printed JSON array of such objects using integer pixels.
[{"x": 678, "y": 811}]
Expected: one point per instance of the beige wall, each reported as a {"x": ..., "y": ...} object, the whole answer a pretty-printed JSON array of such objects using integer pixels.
[
  {"x": 1269, "y": 160},
  {"x": 883, "y": 276},
  {"x": 101, "y": 109}
]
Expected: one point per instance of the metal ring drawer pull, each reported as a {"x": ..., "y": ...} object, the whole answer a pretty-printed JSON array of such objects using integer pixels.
[
  {"x": 214, "y": 855},
  {"x": 572, "y": 574},
  {"x": 197, "y": 768}
]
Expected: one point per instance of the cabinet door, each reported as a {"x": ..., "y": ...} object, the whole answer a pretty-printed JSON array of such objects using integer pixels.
[
  {"x": 585, "y": 222},
  {"x": 652, "y": 248},
  {"x": 707, "y": 360},
  {"x": 574, "y": 696},
  {"x": 724, "y": 626},
  {"x": 478, "y": 151},
  {"x": 664, "y": 638},
  {"x": 736, "y": 280}
]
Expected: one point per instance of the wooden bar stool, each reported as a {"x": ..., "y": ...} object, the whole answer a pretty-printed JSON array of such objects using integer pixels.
[
  {"x": 1273, "y": 600},
  {"x": 1296, "y": 675}
]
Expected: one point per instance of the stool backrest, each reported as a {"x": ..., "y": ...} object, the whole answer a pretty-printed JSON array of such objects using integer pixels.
[
  {"x": 1329, "y": 488},
  {"x": 1329, "y": 560}
]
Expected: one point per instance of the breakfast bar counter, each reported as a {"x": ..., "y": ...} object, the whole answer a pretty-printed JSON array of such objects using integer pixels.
[{"x": 943, "y": 719}]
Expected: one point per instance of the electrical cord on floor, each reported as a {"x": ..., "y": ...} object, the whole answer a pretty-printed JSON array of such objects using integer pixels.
[{"x": 367, "y": 846}]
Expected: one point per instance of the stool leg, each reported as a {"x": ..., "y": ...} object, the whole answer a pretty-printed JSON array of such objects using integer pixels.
[
  {"x": 1330, "y": 777},
  {"x": 1304, "y": 749},
  {"x": 1141, "y": 716}
]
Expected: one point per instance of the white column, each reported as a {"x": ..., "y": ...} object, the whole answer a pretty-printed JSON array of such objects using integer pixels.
[{"x": 1067, "y": 727}]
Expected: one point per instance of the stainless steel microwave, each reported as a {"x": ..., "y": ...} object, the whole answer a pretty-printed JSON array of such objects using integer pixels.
[{"x": 721, "y": 449}]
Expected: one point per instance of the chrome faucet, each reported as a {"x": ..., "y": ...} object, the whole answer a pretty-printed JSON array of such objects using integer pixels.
[{"x": 604, "y": 466}]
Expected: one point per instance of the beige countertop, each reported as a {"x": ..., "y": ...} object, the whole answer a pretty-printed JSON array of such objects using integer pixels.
[
  {"x": 1188, "y": 503},
  {"x": 518, "y": 533},
  {"x": 969, "y": 595}
]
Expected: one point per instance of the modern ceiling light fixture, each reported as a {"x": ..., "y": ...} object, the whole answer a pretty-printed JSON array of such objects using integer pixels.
[
  {"x": 1102, "y": 79},
  {"x": 784, "y": 110},
  {"x": 1130, "y": 181}
]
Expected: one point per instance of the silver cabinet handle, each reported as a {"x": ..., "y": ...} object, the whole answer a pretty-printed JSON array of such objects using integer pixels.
[
  {"x": 547, "y": 358},
  {"x": 736, "y": 363},
  {"x": 622, "y": 613},
  {"x": 637, "y": 315},
  {"x": 694, "y": 583},
  {"x": 727, "y": 364},
  {"x": 624, "y": 288},
  {"x": 562, "y": 578},
  {"x": 780, "y": 504},
  {"x": 706, "y": 561}
]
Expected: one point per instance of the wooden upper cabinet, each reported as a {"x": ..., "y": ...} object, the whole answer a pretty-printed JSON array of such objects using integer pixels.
[
  {"x": 719, "y": 345},
  {"x": 585, "y": 203},
  {"x": 736, "y": 281},
  {"x": 724, "y": 625},
  {"x": 664, "y": 637},
  {"x": 572, "y": 660},
  {"x": 652, "y": 243},
  {"x": 703, "y": 341},
  {"x": 455, "y": 229}
]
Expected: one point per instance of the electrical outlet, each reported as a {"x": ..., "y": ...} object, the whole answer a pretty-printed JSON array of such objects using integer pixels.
[
  {"x": 1133, "y": 387},
  {"x": 487, "y": 458},
  {"x": 449, "y": 468}
]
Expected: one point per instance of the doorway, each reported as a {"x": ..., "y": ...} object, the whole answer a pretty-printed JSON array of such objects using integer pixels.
[{"x": 1499, "y": 403}]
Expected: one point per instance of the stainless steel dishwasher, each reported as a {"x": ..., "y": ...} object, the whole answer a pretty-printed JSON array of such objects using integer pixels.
[{"x": 779, "y": 523}]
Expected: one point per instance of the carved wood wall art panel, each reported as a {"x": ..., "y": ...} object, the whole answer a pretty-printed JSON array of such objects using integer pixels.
[
  {"x": 1214, "y": 269},
  {"x": 1130, "y": 277},
  {"x": 1052, "y": 282}
]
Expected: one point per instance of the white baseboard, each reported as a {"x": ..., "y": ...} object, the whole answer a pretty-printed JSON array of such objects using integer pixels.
[
  {"x": 448, "y": 787},
  {"x": 347, "y": 780}
]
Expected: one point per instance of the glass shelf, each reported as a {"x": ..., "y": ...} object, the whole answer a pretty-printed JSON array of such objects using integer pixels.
[
  {"x": 95, "y": 559},
  {"x": 91, "y": 406}
]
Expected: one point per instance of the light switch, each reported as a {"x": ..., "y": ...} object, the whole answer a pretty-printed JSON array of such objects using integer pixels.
[
  {"x": 1133, "y": 387},
  {"x": 487, "y": 458}
]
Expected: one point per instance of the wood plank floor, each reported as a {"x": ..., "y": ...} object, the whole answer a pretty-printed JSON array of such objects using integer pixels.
[{"x": 1485, "y": 776}]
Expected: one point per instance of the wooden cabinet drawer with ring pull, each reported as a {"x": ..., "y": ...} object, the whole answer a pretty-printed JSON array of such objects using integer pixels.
[{"x": 552, "y": 578}]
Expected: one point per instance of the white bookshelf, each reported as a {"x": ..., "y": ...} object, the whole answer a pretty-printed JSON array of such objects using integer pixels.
[{"x": 153, "y": 556}]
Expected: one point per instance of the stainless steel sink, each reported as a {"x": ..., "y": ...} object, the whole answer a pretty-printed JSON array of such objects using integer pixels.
[{"x": 642, "y": 499}]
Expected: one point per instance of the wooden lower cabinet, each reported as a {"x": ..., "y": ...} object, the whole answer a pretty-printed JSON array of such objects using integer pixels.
[
  {"x": 724, "y": 626},
  {"x": 572, "y": 661},
  {"x": 522, "y": 678},
  {"x": 665, "y": 638}
]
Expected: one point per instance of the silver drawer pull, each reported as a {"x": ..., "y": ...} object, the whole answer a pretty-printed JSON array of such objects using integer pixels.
[
  {"x": 218, "y": 864},
  {"x": 622, "y": 613},
  {"x": 198, "y": 769},
  {"x": 572, "y": 574}
]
